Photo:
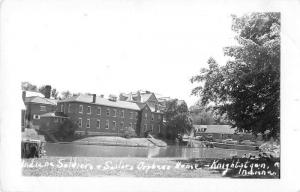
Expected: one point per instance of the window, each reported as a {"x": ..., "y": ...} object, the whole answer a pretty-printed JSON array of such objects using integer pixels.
[
  {"x": 136, "y": 115},
  {"x": 87, "y": 123},
  {"x": 79, "y": 122},
  {"x": 99, "y": 111},
  {"x": 130, "y": 115},
  {"x": 151, "y": 127},
  {"x": 130, "y": 125},
  {"x": 62, "y": 108},
  {"x": 145, "y": 127},
  {"x": 159, "y": 128},
  {"x": 69, "y": 108},
  {"x": 114, "y": 113},
  {"x": 98, "y": 123},
  {"x": 80, "y": 108},
  {"x": 107, "y": 112},
  {"x": 114, "y": 125},
  {"x": 159, "y": 117},
  {"x": 134, "y": 126},
  {"x": 89, "y": 110},
  {"x": 121, "y": 125},
  {"x": 152, "y": 117},
  {"x": 107, "y": 124},
  {"x": 36, "y": 116},
  {"x": 42, "y": 108},
  {"x": 122, "y": 113},
  {"x": 55, "y": 120},
  {"x": 146, "y": 116}
]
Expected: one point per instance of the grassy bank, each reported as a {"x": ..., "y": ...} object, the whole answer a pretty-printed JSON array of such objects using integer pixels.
[{"x": 99, "y": 167}]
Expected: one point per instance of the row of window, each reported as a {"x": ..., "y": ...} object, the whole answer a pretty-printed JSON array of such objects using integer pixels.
[
  {"x": 108, "y": 112},
  {"x": 43, "y": 108},
  {"x": 56, "y": 119},
  {"x": 113, "y": 125}
]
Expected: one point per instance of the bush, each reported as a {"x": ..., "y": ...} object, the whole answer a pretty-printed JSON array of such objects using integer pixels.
[
  {"x": 65, "y": 130},
  {"x": 129, "y": 132}
]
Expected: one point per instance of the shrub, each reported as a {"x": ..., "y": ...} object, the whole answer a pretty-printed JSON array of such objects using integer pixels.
[
  {"x": 129, "y": 132},
  {"x": 65, "y": 130}
]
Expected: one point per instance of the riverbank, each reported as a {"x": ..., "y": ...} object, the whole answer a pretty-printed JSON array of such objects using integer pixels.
[
  {"x": 121, "y": 167},
  {"x": 121, "y": 141}
]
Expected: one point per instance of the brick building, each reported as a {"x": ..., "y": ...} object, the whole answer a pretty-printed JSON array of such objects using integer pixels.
[
  {"x": 35, "y": 107},
  {"x": 96, "y": 115}
]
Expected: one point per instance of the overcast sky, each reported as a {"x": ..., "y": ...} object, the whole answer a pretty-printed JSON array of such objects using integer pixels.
[{"x": 108, "y": 47}]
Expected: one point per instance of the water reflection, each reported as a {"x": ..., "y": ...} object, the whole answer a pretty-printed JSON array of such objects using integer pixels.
[{"x": 74, "y": 150}]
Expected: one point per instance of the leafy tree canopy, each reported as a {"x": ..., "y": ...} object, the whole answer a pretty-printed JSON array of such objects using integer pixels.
[
  {"x": 26, "y": 86},
  {"x": 177, "y": 117},
  {"x": 66, "y": 94},
  {"x": 247, "y": 88},
  {"x": 66, "y": 129}
]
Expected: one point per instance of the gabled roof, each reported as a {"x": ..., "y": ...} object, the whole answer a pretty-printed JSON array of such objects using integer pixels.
[
  {"x": 102, "y": 101},
  {"x": 33, "y": 94},
  {"x": 40, "y": 100},
  {"x": 222, "y": 129},
  {"x": 145, "y": 97},
  {"x": 54, "y": 114}
]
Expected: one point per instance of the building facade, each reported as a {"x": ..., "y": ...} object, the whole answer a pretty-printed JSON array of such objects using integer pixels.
[
  {"x": 100, "y": 116},
  {"x": 35, "y": 107}
]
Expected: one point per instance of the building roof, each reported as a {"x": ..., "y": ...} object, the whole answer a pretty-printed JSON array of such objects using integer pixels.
[
  {"x": 145, "y": 97},
  {"x": 33, "y": 93},
  {"x": 40, "y": 100},
  {"x": 54, "y": 114},
  {"x": 102, "y": 101},
  {"x": 222, "y": 129}
]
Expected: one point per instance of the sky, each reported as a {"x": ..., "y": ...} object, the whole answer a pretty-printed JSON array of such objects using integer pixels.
[{"x": 108, "y": 47}]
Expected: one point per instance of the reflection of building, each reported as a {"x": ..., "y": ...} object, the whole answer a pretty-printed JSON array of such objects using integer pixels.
[{"x": 100, "y": 116}]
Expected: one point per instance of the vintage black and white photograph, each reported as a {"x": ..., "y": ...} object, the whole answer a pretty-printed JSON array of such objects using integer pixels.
[{"x": 146, "y": 89}]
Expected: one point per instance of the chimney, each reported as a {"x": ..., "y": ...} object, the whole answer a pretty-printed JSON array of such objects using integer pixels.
[
  {"x": 112, "y": 98},
  {"x": 94, "y": 98},
  {"x": 23, "y": 95},
  {"x": 47, "y": 91}
]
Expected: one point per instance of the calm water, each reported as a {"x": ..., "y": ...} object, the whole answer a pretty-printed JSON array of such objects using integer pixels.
[{"x": 75, "y": 150}]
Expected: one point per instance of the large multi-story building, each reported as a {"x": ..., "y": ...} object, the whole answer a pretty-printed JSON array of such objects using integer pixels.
[{"x": 96, "y": 115}]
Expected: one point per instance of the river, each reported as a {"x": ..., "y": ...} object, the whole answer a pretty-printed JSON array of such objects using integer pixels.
[{"x": 76, "y": 150}]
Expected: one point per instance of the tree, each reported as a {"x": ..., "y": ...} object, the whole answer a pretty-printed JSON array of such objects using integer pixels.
[
  {"x": 247, "y": 88},
  {"x": 54, "y": 93},
  {"x": 206, "y": 115},
  {"x": 177, "y": 116},
  {"x": 43, "y": 90},
  {"x": 66, "y": 94},
  {"x": 26, "y": 86},
  {"x": 66, "y": 129}
]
